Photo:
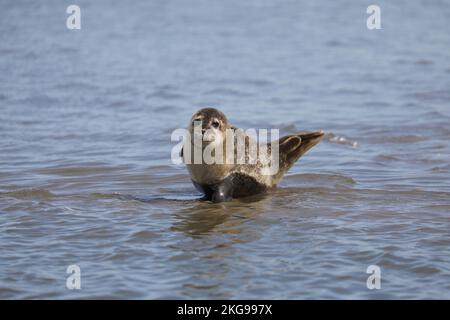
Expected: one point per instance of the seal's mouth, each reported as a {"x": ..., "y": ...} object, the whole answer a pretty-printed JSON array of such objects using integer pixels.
[
  {"x": 203, "y": 139},
  {"x": 209, "y": 135},
  {"x": 208, "y": 139}
]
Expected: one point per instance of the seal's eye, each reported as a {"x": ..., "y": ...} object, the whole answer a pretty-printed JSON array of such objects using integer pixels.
[{"x": 215, "y": 124}]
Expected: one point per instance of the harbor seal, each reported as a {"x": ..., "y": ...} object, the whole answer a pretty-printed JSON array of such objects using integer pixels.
[{"x": 225, "y": 180}]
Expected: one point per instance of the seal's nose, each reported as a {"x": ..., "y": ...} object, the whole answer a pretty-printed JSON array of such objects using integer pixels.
[{"x": 203, "y": 131}]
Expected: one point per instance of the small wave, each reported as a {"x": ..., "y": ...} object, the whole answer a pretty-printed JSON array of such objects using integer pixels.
[
  {"x": 164, "y": 108},
  {"x": 166, "y": 92},
  {"x": 7, "y": 293},
  {"x": 437, "y": 95},
  {"x": 400, "y": 139},
  {"x": 33, "y": 193},
  {"x": 114, "y": 195},
  {"x": 228, "y": 92},
  {"x": 142, "y": 235},
  {"x": 377, "y": 104},
  {"x": 334, "y": 43},
  {"x": 181, "y": 197},
  {"x": 201, "y": 287},
  {"x": 122, "y": 103},
  {"x": 318, "y": 190},
  {"x": 441, "y": 169},
  {"x": 418, "y": 193},
  {"x": 386, "y": 157},
  {"x": 85, "y": 169},
  {"x": 351, "y": 91},
  {"x": 423, "y": 62},
  {"x": 76, "y": 85},
  {"x": 320, "y": 177},
  {"x": 257, "y": 82},
  {"x": 39, "y": 100}
]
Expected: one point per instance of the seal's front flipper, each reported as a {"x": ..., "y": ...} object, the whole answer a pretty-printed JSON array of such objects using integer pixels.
[
  {"x": 221, "y": 196},
  {"x": 205, "y": 189},
  {"x": 223, "y": 191},
  {"x": 219, "y": 192}
]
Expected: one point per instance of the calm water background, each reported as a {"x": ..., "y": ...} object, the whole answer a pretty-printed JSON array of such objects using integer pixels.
[{"x": 85, "y": 170}]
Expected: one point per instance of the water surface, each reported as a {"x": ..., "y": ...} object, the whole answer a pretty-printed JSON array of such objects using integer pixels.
[{"x": 85, "y": 171}]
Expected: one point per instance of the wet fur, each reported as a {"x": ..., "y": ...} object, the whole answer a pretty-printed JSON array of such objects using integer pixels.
[{"x": 223, "y": 182}]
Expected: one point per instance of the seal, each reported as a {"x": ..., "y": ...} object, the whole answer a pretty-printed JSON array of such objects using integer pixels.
[{"x": 244, "y": 175}]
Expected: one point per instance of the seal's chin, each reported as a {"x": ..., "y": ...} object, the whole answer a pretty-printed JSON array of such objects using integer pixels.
[
  {"x": 209, "y": 136},
  {"x": 209, "y": 139}
]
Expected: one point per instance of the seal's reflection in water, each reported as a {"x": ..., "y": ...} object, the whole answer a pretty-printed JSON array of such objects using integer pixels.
[
  {"x": 204, "y": 217},
  {"x": 213, "y": 243}
]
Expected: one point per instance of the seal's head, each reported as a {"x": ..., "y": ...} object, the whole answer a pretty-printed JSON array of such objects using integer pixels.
[{"x": 208, "y": 125}]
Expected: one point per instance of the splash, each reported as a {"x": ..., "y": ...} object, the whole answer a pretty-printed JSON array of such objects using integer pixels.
[{"x": 331, "y": 137}]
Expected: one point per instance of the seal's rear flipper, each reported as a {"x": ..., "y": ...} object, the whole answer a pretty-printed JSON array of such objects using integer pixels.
[{"x": 292, "y": 147}]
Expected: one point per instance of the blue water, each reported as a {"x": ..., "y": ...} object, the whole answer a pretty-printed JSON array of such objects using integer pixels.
[{"x": 85, "y": 172}]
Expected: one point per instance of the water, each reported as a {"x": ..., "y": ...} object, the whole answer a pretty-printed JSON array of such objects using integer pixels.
[{"x": 85, "y": 170}]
